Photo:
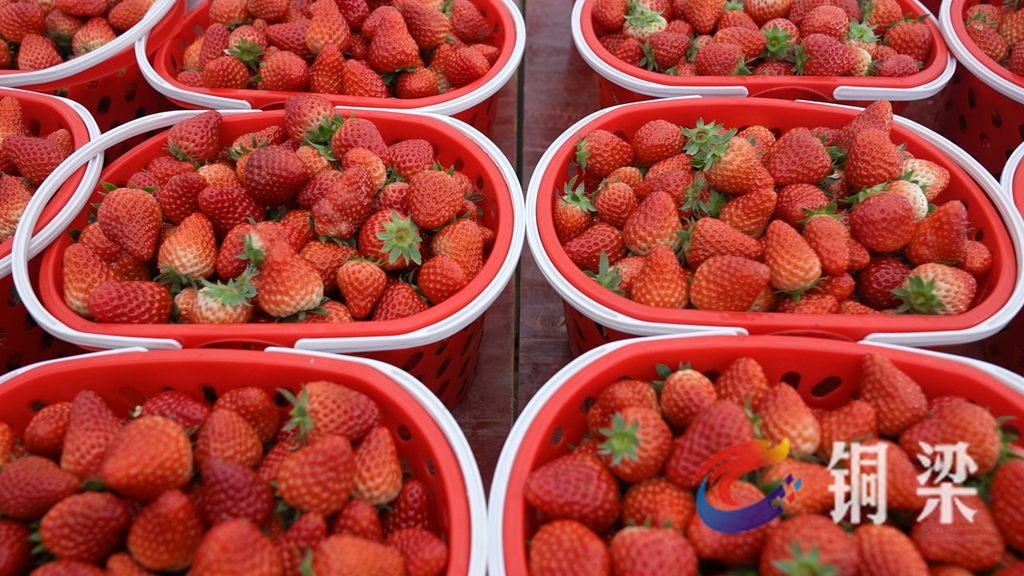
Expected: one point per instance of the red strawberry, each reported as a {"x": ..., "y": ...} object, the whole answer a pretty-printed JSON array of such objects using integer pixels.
[
  {"x": 301, "y": 537},
  {"x": 873, "y": 159},
  {"x": 37, "y": 53},
  {"x": 639, "y": 550},
  {"x": 655, "y": 222},
  {"x": 764, "y": 12},
  {"x": 284, "y": 71},
  {"x": 359, "y": 518},
  {"x": 230, "y": 490},
  {"x": 274, "y": 175},
  {"x": 228, "y": 436},
  {"x": 732, "y": 549},
  {"x": 822, "y": 55},
  {"x": 361, "y": 284},
  {"x": 898, "y": 66},
  {"x": 809, "y": 542},
  {"x": 937, "y": 289},
  {"x": 413, "y": 508},
  {"x": 378, "y": 473},
  {"x": 885, "y": 550},
  {"x": 795, "y": 200},
  {"x": 228, "y": 207},
  {"x": 988, "y": 40},
  {"x": 419, "y": 83},
  {"x": 1007, "y": 503},
  {"x": 742, "y": 382},
  {"x": 256, "y": 406},
  {"x": 957, "y": 421},
  {"x": 674, "y": 182},
  {"x": 326, "y": 72},
  {"x": 166, "y": 533},
  {"x": 179, "y": 197},
  {"x": 91, "y": 428},
  {"x": 657, "y": 502},
  {"x": 709, "y": 237},
  {"x": 798, "y": 157},
  {"x": 884, "y": 222},
  {"x": 236, "y": 546},
  {"x": 721, "y": 425},
  {"x": 793, "y": 264},
  {"x": 441, "y": 278},
  {"x": 684, "y": 394},
  {"x": 15, "y": 547},
  {"x": 613, "y": 203},
  {"x": 728, "y": 283},
  {"x": 87, "y": 527},
  {"x": 14, "y": 197},
  {"x": 784, "y": 415},
  {"x": 83, "y": 271},
  {"x": 358, "y": 79},
  {"x": 469, "y": 23},
  {"x": 288, "y": 283},
  {"x": 565, "y": 546},
  {"x": 878, "y": 279},
  {"x": 177, "y": 406},
  {"x": 638, "y": 443},
  {"x": 941, "y": 236},
  {"x": 617, "y": 396},
  {"x": 854, "y": 422},
  {"x": 898, "y": 401},
  {"x": 32, "y": 485},
  {"x": 393, "y": 48},
  {"x": 196, "y": 139},
  {"x": 828, "y": 20},
  {"x": 703, "y": 14},
  {"x": 662, "y": 282},
  {"x": 346, "y": 204},
  {"x": 601, "y": 152},
  {"x": 34, "y": 157},
  {"x": 325, "y": 408},
  {"x": 399, "y": 300},
  {"x": 465, "y": 66},
  {"x": 902, "y": 482},
  {"x": 345, "y": 554},
  {"x": 434, "y": 198},
  {"x": 814, "y": 496},
  {"x": 327, "y": 26},
  {"x": 131, "y": 218},
  {"x": 68, "y": 568},
  {"x": 44, "y": 435},
  {"x": 318, "y": 477},
  {"x": 18, "y": 21},
  {"x": 973, "y": 543},
  {"x": 830, "y": 240},
  {"x": 736, "y": 169},
  {"x": 462, "y": 241},
  {"x": 720, "y": 59},
  {"x": 750, "y": 213},
  {"x": 910, "y": 37},
  {"x": 657, "y": 140},
  {"x": 576, "y": 487},
  {"x": 425, "y": 554}
]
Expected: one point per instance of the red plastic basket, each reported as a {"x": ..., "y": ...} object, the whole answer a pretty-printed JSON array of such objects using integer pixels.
[
  {"x": 620, "y": 83},
  {"x": 613, "y": 317},
  {"x": 474, "y": 104},
  {"x": 429, "y": 441},
  {"x": 22, "y": 341},
  {"x": 107, "y": 82},
  {"x": 439, "y": 346},
  {"x": 982, "y": 108},
  {"x": 553, "y": 421}
]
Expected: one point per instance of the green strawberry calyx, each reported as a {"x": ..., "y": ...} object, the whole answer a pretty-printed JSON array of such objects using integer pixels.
[
  {"x": 809, "y": 563},
  {"x": 607, "y": 276},
  {"x": 577, "y": 195},
  {"x": 621, "y": 440},
  {"x": 918, "y": 297},
  {"x": 401, "y": 239}
]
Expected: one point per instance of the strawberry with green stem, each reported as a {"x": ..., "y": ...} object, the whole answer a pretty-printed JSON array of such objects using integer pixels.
[
  {"x": 936, "y": 289},
  {"x": 228, "y": 303}
]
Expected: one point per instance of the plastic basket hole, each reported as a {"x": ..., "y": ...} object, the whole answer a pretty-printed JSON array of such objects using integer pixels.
[
  {"x": 712, "y": 375},
  {"x": 997, "y": 118},
  {"x": 444, "y": 366},
  {"x": 130, "y": 89},
  {"x": 403, "y": 433},
  {"x": 280, "y": 400},
  {"x": 962, "y": 124},
  {"x": 993, "y": 349},
  {"x": 1011, "y": 430},
  {"x": 479, "y": 182},
  {"x": 602, "y": 331},
  {"x": 826, "y": 386},
  {"x": 139, "y": 113},
  {"x": 197, "y": 30},
  {"x": 463, "y": 386},
  {"x": 587, "y": 403},
  {"x": 45, "y": 342},
  {"x": 103, "y": 106},
  {"x": 948, "y": 105},
  {"x": 473, "y": 119},
  {"x": 978, "y": 235},
  {"x": 1020, "y": 131},
  {"x": 37, "y": 406},
  {"x": 443, "y": 387},
  {"x": 14, "y": 360},
  {"x": 462, "y": 371},
  {"x": 35, "y": 128},
  {"x": 431, "y": 467},
  {"x": 174, "y": 60},
  {"x": 93, "y": 85},
  {"x": 441, "y": 348},
  {"x": 209, "y": 393},
  {"x": 556, "y": 436},
  {"x": 984, "y": 140},
  {"x": 3, "y": 337},
  {"x": 12, "y": 297},
  {"x": 132, "y": 396},
  {"x": 404, "y": 463},
  {"x": 30, "y": 322},
  {"x": 459, "y": 164},
  {"x": 490, "y": 106},
  {"x": 792, "y": 378},
  {"x": 412, "y": 361},
  {"x": 972, "y": 102},
  {"x": 579, "y": 332}
]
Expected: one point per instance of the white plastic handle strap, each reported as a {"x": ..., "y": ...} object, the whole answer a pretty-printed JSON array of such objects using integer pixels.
[
  {"x": 93, "y": 151},
  {"x": 869, "y": 93},
  {"x": 460, "y": 446},
  {"x": 503, "y": 471},
  {"x": 968, "y": 60},
  {"x": 62, "y": 219},
  {"x": 466, "y": 315},
  {"x": 18, "y": 372},
  {"x": 632, "y": 83},
  {"x": 77, "y": 65},
  {"x": 1010, "y": 172},
  {"x": 174, "y": 93}
]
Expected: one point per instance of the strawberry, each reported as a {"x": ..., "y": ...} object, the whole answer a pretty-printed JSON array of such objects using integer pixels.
[
  {"x": 941, "y": 236},
  {"x": 829, "y": 239},
  {"x": 190, "y": 252},
  {"x": 440, "y": 278},
  {"x": 220, "y": 303},
  {"x": 609, "y": 14},
  {"x": 742, "y": 382},
  {"x": 34, "y": 157},
  {"x": 230, "y": 490},
  {"x": 828, "y": 20},
  {"x": 795, "y": 200},
  {"x": 822, "y": 55},
  {"x": 988, "y": 40},
  {"x": 44, "y": 435},
  {"x": 657, "y": 140},
  {"x": 131, "y": 466},
  {"x": 873, "y": 159},
  {"x": 732, "y": 549},
  {"x": 665, "y": 50},
  {"x": 14, "y": 197},
  {"x": 575, "y": 487},
  {"x": 898, "y": 401},
  {"x": 977, "y": 259},
  {"x": 434, "y": 198},
  {"x": 37, "y": 53},
  {"x": 783, "y": 415},
  {"x": 1016, "y": 62},
  {"x": 358, "y": 79},
  {"x": 131, "y": 218},
  {"x": 91, "y": 427},
  {"x": 883, "y": 222},
  {"x": 720, "y": 59},
  {"x": 710, "y": 237},
  {"x": 750, "y": 213},
  {"x": 378, "y": 476},
  {"x": 750, "y": 40},
  {"x": 327, "y": 258},
  {"x": 913, "y": 193},
  {"x": 902, "y": 482},
  {"x": 68, "y": 567},
  {"x": 885, "y": 550},
  {"x": 399, "y": 300},
  {"x": 639, "y": 550},
  {"x": 358, "y": 518},
  {"x": 462, "y": 241},
  {"x": 657, "y": 502},
  {"x": 721, "y": 425},
  {"x": 798, "y": 157},
  {"x": 301, "y": 537},
  {"x": 854, "y": 422},
  {"x": 613, "y": 203},
  {"x": 638, "y": 443},
  {"x": 346, "y": 204},
  {"x": 973, "y": 543},
  {"x": 274, "y": 175},
  {"x": 957, "y": 421},
  {"x": 177, "y": 406},
  {"x": 87, "y": 527},
  {"x": 15, "y": 547},
  {"x": 327, "y": 26},
  {"x": 361, "y": 284},
  {"x": 809, "y": 304},
  {"x": 228, "y": 207},
  {"x": 30, "y": 486},
  {"x": 616, "y": 397},
  {"x": 814, "y": 496},
  {"x": 318, "y": 477},
  {"x": 227, "y": 435},
  {"x": 911, "y": 37},
  {"x": 326, "y": 72},
  {"x": 662, "y": 282},
  {"x": 675, "y": 182},
  {"x": 567, "y": 546},
  {"x": 17, "y": 21},
  {"x": 325, "y": 409},
  {"x": 345, "y": 554},
  {"x": 898, "y": 66},
  {"x": 236, "y": 546},
  {"x": 792, "y": 262},
  {"x": 703, "y": 14},
  {"x": 419, "y": 83},
  {"x": 425, "y": 554},
  {"x": 728, "y": 283},
  {"x": 878, "y": 279},
  {"x": 83, "y": 271},
  {"x": 288, "y": 283},
  {"x": 809, "y": 542},
  {"x": 256, "y": 406},
  {"x": 936, "y": 289},
  {"x": 654, "y": 222},
  {"x": 601, "y": 152},
  {"x": 196, "y": 139},
  {"x": 412, "y": 508},
  {"x": 393, "y": 48},
  {"x": 284, "y": 71},
  {"x": 684, "y": 394},
  {"x": 733, "y": 167},
  {"x": 465, "y": 66},
  {"x": 877, "y": 116},
  {"x": 763, "y": 12},
  {"x": 179, "y": 197},
  {"x": 1007, "y": 503}
]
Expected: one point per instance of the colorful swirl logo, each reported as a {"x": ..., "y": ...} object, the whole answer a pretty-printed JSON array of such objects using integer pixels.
[{"x": 724, "y": 469}]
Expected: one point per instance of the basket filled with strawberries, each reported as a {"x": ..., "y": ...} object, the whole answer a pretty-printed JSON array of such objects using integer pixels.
[
  {"x": 84, "y": 50},
  {"x": 823, "y": 50},
  {"x": 233, "y": 462},
  {"x": 37, "y": 132},
  {"x": 379, "y": 232},
  {"x": 728, "y": 454},
  {"x": 980, "y": 110},
  {"x": 446, "y": 57},
  {"x": 786, "y": 217}
]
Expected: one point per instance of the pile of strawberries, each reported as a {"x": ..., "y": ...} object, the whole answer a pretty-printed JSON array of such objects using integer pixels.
[
  {"x": 623, "y": 501},
  {"x": 41, "y": 34},
  {"x": 186, "y": 484},
  {"x": 817, "y": 221},
  {"x": 998, "y": 30},
  {"x": 764, "y": 37},
  {"x": 25, "y": 161},
  {"x": 318, "y": 220},
  {"x": 408, "y": 49}
]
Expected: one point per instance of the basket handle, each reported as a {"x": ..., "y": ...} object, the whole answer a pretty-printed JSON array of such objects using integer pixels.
[
  {"x": 927, "y": 90},
  {"x": 92, "y": 152},
  {"x": 177, "y": 94}
]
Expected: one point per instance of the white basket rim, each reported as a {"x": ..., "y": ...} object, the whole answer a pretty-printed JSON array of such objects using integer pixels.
[{"x": 975, "y": 66}]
